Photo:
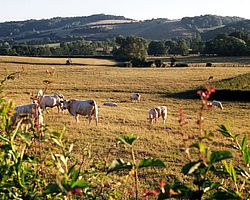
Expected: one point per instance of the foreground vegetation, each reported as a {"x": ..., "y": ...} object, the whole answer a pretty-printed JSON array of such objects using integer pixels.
[{"x": 95, "y": 147}]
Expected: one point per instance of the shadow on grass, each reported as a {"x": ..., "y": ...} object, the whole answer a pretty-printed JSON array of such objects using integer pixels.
[{"x": 225, "y": 95}]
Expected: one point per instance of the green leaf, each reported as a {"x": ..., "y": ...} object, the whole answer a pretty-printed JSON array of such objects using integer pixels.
[
  {"x": 71, "y": 169},
  {"x": 5, "y": 147},
  {"x": 201, "y": 147},
  {"x": 118, "y": 165},
  {"x": 52, "y": 188},
  {"x": 207, "y": 185},
  {"x": 48, "y": 163},
  {"x": 55, "y": 134},
  {"x": 127, "y": 139},
  {"x": 226, "y": 166},
  {"x": 217, "y": 156},
  {"x": 191, "y": 167},
  {"x": 75, "y": 174},
  {"x": 4, "y": 139},
  {"x": 225, "y": 195},
  {"x": 151, "y": 162},
  {"x": 224, "y": 130},
  {"x": 25, "y": 136},
  {"x": 80, "y": 184},
  {"x": 57, "y": 142},
  {"x": 233, "y": 173},
  {"x": 244, "y": 143},
  {"x": 246, "y": 156}
]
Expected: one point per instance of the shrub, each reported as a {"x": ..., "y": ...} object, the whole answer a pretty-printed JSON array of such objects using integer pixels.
[
  {"x": 209, "y": 64},
  {"x": 181, "y": 65},
  {"x": 128, "y": 64},
  {"x": 158, "y": 63}
]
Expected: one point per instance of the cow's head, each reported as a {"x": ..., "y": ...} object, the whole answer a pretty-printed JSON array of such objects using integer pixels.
[
  {"x": 60, "y": 96},
  {"x": 65, "y": 104}
]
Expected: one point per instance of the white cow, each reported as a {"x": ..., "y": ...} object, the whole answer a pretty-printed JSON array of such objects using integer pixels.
[
  {"x": 217, "y": 104},
  {"x": 112, "y": 104},
  {"x": 152, "y": 115},
  {"x": 82, "y": 107},
  {"x": 51, "y": 101},
  {"x": 155, "y": 113},
  {"x": 135, "y": 97},
  {"x": 30, "y": 113}
]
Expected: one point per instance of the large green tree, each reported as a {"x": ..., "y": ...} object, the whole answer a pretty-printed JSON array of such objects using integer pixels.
[
  {"x": 178, "y": 46},
  {"x": 130, "y": 48},
  {"x": 226, "y": 45},
  {"x": 156, "y": 48}
]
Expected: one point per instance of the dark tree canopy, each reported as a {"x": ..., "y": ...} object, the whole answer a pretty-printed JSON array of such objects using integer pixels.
[
  {"x": 131, "y": 48},
  {"x": 156, "y": 48},
  {"x": 227, "y": 45}
]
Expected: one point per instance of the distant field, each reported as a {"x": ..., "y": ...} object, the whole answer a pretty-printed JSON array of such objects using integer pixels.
[
  {"x": 101, "y": 80},
  {"x": 54, "y": 61},
  {"x": 108, "y": 22},
  {"x": 217, "y": 61}
]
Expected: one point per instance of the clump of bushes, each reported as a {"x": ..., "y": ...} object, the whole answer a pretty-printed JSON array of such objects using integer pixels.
[
  {"x": 127, "y": 64},
  {"x": 209, "y": 64},
  {"x": 181, "y": 65},
  {"x": 158, "y": 63}
]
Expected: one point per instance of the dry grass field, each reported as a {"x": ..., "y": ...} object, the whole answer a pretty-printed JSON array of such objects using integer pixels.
[{"x": 102, "y": 81}]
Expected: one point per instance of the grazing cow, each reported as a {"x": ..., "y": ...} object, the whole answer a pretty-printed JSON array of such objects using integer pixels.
[
  {"x": 152, "y": 115},
  {"x": 82, "y": 107},
  {"x": 51, "y": 101},
  {"x": 30, "y": 113},
  {"x": 157, "y": 112},
  {"x": 217, "y": 104},
  {"x": 110, "y": 104},
  {"x": 135, "y": 97}
]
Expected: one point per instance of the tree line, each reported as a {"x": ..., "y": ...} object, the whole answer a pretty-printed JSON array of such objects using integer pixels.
[
  {"x": 81, "y": 47},
  {"x": 133, "y": 48}
]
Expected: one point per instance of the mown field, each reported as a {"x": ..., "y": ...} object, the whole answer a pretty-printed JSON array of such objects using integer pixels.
[{"x": 103, "y": 81}]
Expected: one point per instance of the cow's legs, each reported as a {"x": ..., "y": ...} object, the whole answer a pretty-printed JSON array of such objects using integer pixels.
[
  {"x": 58, "y": 108},
  {"x": 96, "y": 121},
  {"x": 46, "y": 110},
  {"x": 77, "y": 118},
  {"x": 90, "y": 118}
]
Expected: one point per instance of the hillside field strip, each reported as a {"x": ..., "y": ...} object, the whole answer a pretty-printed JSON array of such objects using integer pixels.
[{"x": 103, "y": 81}]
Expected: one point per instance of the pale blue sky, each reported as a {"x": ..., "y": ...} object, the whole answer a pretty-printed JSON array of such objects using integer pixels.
[{"x": 16, "y": 10}]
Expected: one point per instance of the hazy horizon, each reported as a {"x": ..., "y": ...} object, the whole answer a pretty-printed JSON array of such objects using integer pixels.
[{"x": 16, "y": 10}]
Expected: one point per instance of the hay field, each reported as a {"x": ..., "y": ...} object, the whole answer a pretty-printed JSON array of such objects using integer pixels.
[{"x": 101, "y": 80}]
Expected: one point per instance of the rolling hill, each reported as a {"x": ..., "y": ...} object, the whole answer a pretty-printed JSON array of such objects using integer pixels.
[
  {"x": 102, "y": 27},
  {"x": 243, "y": 25}
]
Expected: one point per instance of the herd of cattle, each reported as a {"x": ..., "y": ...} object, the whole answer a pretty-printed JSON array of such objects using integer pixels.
[{"x": 33, "y": 113}]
